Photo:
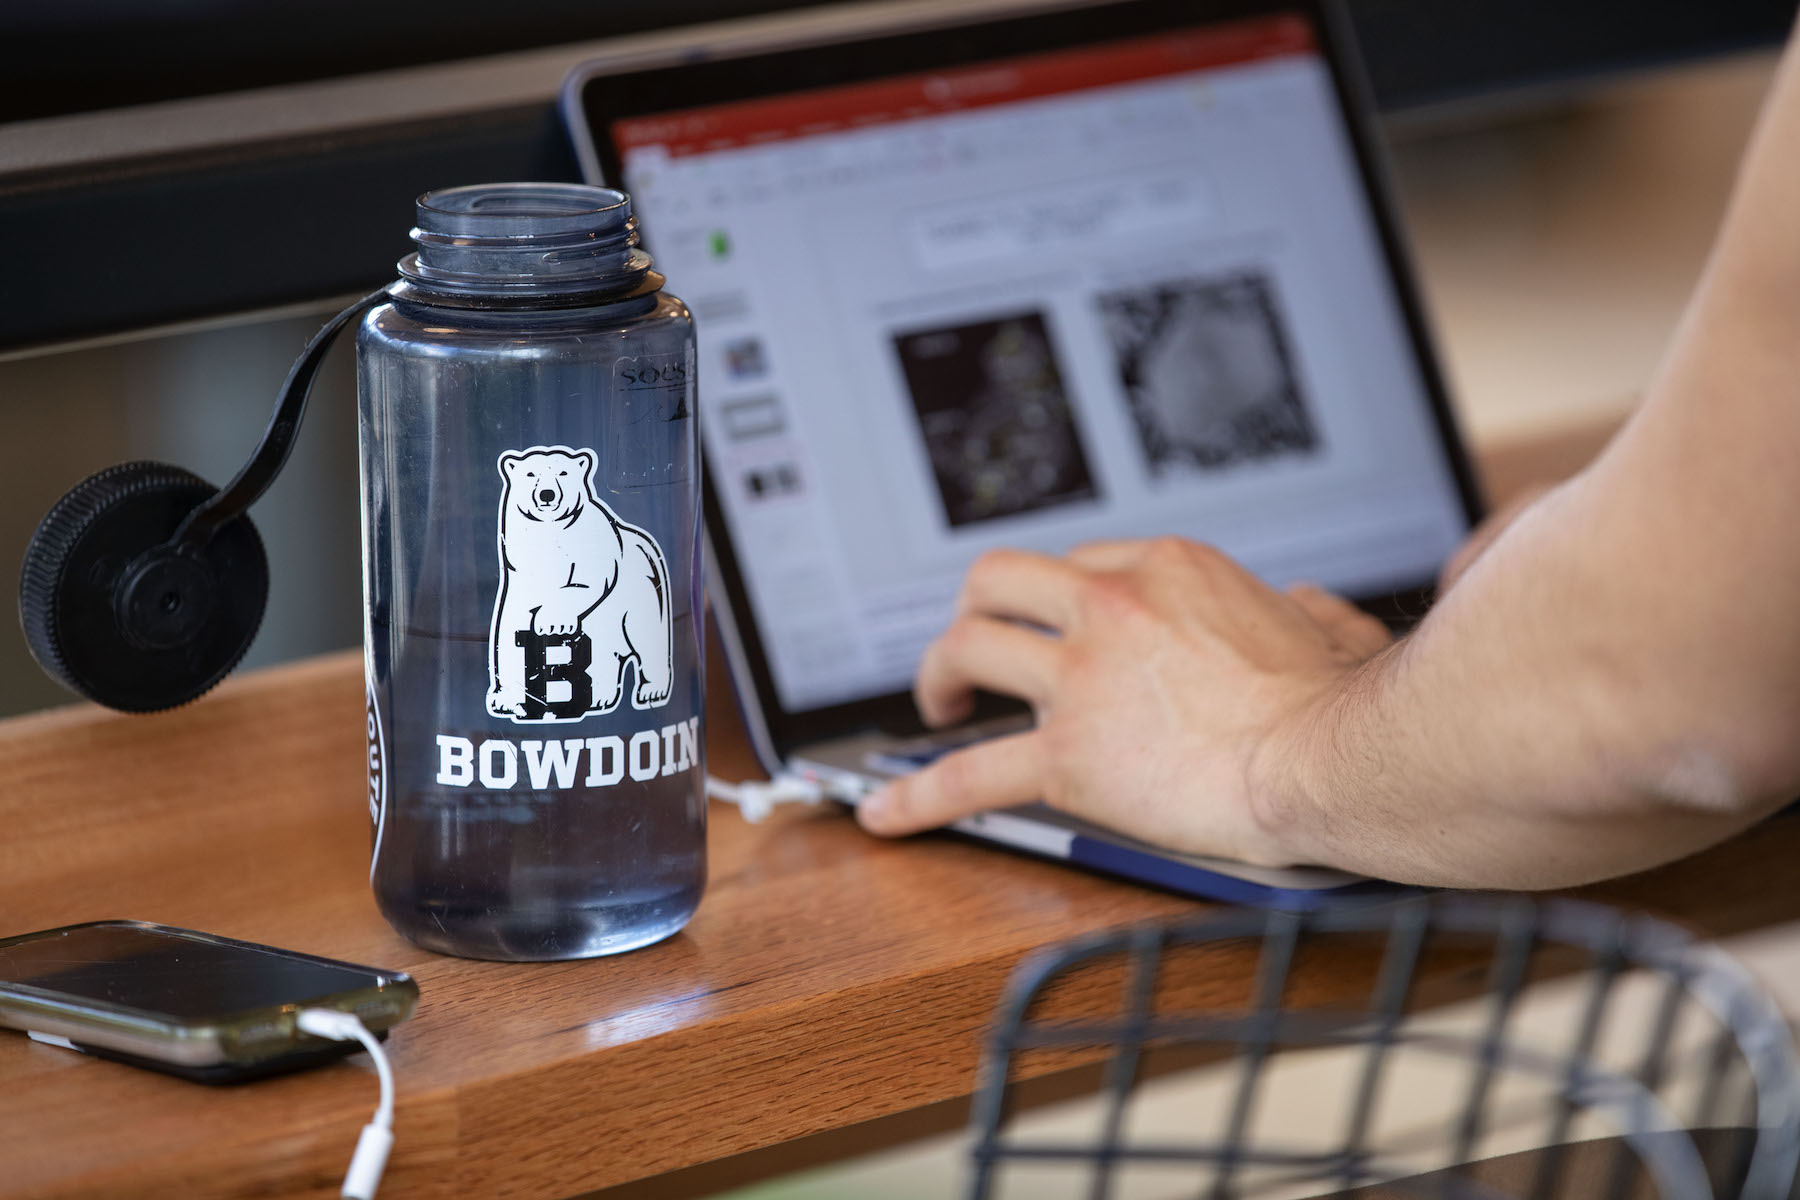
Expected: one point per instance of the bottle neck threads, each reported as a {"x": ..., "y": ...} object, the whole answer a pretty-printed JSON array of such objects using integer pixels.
[{"x": 525, "y": 245}]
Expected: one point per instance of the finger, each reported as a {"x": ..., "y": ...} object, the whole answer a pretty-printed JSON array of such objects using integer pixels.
[
  {"x": 996, "y": 774},
  {"x": 1117, "y": 555},
  {"x": 1170, "y": 557},
  {"x": 1172, "y": 572},
  {"x": 1183, "y": 565},
  {"x": 1023, "y": 585},
  {"x": 1347, "y": 624},
  {"x": 984, "y": 652}
]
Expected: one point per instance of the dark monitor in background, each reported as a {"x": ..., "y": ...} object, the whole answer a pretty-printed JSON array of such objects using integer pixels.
[
  {"x": 1429, "y": 53},
  {"x": 82, "y": 55},
  {"x": 341, "y": 197}
]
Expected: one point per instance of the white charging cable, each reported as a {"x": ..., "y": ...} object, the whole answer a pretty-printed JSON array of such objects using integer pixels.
[
  {"x": 370, "y": 1159},
  {"x": 758, "y": 800}
]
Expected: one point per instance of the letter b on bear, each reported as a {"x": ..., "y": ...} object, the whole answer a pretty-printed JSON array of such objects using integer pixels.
[{"x": 557, "y": 683}]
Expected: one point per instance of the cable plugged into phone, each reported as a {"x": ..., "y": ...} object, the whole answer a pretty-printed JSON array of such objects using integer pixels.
[{"x": 377, "y": 1138}]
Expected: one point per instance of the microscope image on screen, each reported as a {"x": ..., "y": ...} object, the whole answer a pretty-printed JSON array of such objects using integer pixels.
[
  {"x": 1208, "y": 372},
  {"x": 995, "y": 418}
]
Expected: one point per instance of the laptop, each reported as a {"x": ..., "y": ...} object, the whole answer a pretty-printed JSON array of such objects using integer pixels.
[{"x": 994, "y": 275}]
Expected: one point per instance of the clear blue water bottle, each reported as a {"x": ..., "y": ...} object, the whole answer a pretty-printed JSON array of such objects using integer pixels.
[{"x": 530, "y": 480}]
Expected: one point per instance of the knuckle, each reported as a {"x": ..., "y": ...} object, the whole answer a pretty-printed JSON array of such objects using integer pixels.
[
  {"x": 980, "y": 578},
  {"x": 897, "y": 810},
  {"x": 1094, "y": 593},
  {"x": 1109, "y": 599},
  {"x": 1073, "y": 682},
  {"x": 990, "y": 563},
  {"x": 955, "y": 642},
  {"x": 1169, "y": 549},
  {"x": 1207, "y": 556}
]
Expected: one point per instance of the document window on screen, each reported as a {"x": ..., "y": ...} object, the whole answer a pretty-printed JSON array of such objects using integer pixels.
[{"x": 1109, "y": 292}]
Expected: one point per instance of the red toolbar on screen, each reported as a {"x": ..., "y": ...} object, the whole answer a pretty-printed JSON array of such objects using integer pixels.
[{"x": 1002, "y": 81}]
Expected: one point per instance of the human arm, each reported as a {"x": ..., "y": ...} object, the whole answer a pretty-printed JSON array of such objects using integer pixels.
[{"x": 1614, "y": 682}]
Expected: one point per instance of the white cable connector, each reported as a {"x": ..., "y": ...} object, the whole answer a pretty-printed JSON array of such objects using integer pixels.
[
  {"x": 758, "y": 800},
  {"x": 377, "y": 1138}
]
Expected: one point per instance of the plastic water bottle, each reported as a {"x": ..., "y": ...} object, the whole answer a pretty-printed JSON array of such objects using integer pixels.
[{"x": 530, "y": 485}]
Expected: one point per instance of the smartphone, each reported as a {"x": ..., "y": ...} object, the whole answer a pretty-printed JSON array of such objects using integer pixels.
[{"x": 190, "y": 1004}]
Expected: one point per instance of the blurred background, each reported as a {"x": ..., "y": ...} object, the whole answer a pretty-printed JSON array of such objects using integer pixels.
[{"x": 188, "y": 190}]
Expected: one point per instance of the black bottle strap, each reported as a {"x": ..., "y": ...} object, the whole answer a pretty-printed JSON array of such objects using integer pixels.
[{"x": 271, "y": 454}]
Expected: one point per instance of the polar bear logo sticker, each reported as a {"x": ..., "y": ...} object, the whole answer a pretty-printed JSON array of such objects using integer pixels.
[{"x": 582, "y": 596}]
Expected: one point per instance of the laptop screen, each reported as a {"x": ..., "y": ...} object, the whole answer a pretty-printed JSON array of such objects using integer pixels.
[{"x": 1126, "y": 289}]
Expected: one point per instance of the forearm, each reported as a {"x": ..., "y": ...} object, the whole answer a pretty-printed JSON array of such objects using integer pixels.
[
  {"x": 1507, "y": 745},
  {"x": 1616, "y": 681}
]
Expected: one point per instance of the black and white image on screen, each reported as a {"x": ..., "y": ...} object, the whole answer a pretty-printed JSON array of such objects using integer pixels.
[
  {"x": 995, "y": 418},
  {"x": 1208, "y": 372}
]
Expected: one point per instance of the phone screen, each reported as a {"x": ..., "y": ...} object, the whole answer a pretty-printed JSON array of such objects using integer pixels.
[{"x": 170, "y": 973}]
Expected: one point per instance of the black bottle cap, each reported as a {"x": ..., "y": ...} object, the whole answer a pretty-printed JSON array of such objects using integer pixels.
[{"x": 112, "y": 611}]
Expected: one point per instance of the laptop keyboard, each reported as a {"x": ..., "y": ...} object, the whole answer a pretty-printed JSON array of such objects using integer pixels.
[
  {"x": 904, "y": 762},
  {"x": 914, "y": 756}
]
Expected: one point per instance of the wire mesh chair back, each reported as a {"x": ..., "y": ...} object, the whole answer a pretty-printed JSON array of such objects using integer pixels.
[{"x": 1699, "y": 1035}]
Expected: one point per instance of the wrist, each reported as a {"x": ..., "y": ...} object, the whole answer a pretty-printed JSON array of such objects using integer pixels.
[
  {"x": 1300, "y": 769},
  {"x": 1279, "y": 793}
]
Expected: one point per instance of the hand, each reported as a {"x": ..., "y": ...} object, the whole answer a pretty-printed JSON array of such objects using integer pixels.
[{"x": 1163, "y": 676}]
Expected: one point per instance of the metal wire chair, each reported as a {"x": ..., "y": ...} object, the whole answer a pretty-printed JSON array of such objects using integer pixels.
[{"x": 1745, "y": 1059}]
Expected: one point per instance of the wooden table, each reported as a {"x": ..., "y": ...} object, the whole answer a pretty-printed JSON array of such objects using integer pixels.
[{"x": 827, "y": 998}]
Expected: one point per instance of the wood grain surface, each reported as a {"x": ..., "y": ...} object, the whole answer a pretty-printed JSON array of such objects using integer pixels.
[{"x": 829, "y": 981}]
